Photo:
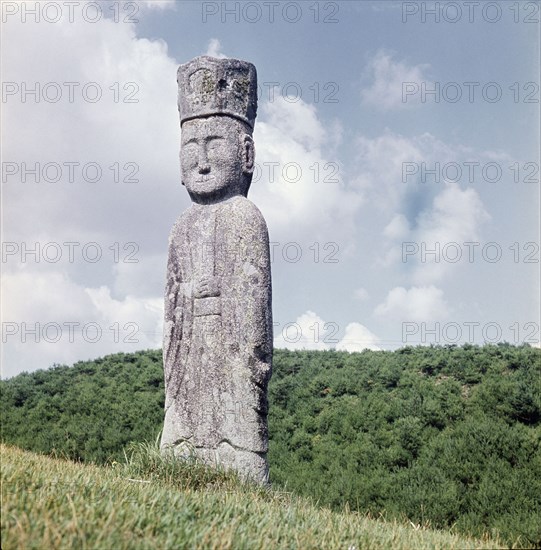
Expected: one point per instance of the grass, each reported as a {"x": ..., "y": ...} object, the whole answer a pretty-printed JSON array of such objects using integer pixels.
[{"x": 155, "y": 502}]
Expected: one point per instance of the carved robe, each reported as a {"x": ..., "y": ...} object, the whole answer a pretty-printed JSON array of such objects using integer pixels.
[{"x": 218, "y": 349}]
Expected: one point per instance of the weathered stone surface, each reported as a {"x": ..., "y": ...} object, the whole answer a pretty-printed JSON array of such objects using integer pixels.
[{"x": 218, "y": 321}]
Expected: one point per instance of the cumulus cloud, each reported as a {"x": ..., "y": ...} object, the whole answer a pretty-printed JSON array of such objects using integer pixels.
[
  {"x": 131, "y": 135},
  {"x": 215, "y": 49},
  {"x": 432, "y": 245},
  {"x": 419, "y": 213},
  {"x": 295, "y": 179},
  {"x": 128, "y": 137},
  {"x": 418, "y": 205},
  {"x": 397, "y": 228},
  {"x": 311, "y": 332},
  {"x": 388, "y": 77},
  {"x": 416, "y": 304},
  {"x": 388, "y": 168},
  {"x": 65, "y": 322},
  {"x": 454, "y": 218},
  {"x": 454, "y": 213},
  {"x": 358, "y": 338}
]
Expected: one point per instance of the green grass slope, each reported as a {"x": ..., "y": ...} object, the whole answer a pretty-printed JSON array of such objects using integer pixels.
[{"x": 153, "y": 503}]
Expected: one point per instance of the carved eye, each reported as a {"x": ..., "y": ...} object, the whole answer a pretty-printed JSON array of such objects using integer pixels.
[
  {"x": 188, "y": 154},
  {"x": 189, "y": 149},
  {"x": 216, "y": 145}
]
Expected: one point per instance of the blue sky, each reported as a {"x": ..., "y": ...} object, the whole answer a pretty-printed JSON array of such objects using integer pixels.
[{"x": 350, "y": 210}]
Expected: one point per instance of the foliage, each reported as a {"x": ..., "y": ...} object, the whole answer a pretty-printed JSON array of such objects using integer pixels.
[
  {"x": 443, "y": 436},
  {"x": 90, "y": 411}
]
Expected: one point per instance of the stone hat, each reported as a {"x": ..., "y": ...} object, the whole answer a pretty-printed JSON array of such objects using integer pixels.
[{"x": 210, "y": 86}]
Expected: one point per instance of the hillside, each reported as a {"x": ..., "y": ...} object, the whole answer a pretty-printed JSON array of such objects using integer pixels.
[
  {"x": 440, "y": 436},
  {"x": 51, "y": 503}
]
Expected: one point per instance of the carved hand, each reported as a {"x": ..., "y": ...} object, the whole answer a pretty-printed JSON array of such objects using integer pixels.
[{"x": 207, "y": 286}]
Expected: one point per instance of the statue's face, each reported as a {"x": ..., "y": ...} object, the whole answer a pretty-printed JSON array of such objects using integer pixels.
[{"x": 211, "y": 165}]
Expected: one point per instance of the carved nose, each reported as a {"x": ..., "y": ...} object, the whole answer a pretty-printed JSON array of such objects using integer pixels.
[{"x": 203, "y": 162}]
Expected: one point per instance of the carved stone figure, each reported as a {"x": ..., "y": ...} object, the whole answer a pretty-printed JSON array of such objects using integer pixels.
[{"x": 218, "y": 322}]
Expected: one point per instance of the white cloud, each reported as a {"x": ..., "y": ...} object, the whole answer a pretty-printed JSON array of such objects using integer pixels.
[
  {"x": 108, "y": 131},
  {"x": 358, "y": 338},
  {"x": 64, "y": 322},
  {"x": 215, "y": 49},
  {"x": 388, "y": 167},
  {"x": 296, "y": 180},
  {"x": 455, "y": 214},
  {"x": 309, "y": 331},
  {"x": 111, "y": 131},
  {"x": 416, "y": 304},
  {"x": 397, "y": 228},
  {"x": 116, "y": 132},
  {"x": 454, "y": 218},
  {"x": 388, "y": 79},
  {"x": 297, "y": 120},
  {"x": 394, "y": 175}
]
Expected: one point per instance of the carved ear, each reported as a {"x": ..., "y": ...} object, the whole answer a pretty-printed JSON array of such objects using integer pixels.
[
  {"x": 248, "y": 154},
  {"x": 180, "y": 159}
]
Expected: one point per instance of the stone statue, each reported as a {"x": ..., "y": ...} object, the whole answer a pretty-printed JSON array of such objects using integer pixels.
[{"x": 218, "y": 321}]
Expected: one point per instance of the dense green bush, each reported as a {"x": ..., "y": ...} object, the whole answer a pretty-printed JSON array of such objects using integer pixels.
[
  {"x": 446, "y": 436},
  {"x": 90, "y": 411}
]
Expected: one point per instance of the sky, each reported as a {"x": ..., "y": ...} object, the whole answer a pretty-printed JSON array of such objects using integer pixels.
[{"x": 397, "y": 150}]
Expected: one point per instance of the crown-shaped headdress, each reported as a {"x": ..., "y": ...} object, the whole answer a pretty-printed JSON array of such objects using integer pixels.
[{"x": 209, "y": 86}]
